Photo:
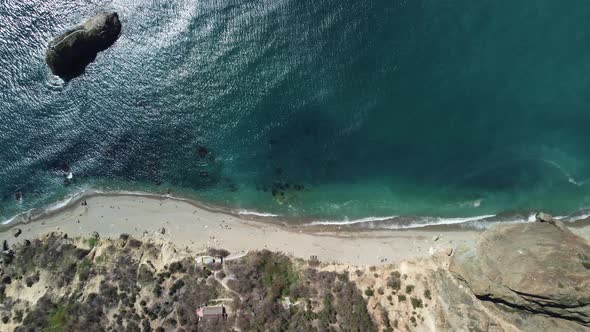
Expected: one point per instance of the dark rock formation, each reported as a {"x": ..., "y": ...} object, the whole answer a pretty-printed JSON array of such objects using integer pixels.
[
  {"x": 6, "y": 280},
  {"x": 539, "y": 268},
  {"x": 70, "y": 53},
  {"x": 202, "y": 151},
  {"x": 16, "y": 232}
]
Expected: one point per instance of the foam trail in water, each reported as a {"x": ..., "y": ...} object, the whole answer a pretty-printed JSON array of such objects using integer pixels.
[
  {"x": 574, "y": 217},
  {"x": 441, "y": 221},
  {"x": 257, "y": 214},
  {"x": 8, "y": 221},
  {"x": 569, "y": 177},
  {"x": 351, "y": 222},
  {"x": 427, "y": 221}
]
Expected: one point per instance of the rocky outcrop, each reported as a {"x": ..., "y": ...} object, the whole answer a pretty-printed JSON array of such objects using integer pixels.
[
  {"x": 68, "y": 54},
  {"x": 535, "y": 268},
  {"x": 6, "y": 255},
  {"x": 544, "y": 217},
  {"x": 17, "y": 232}
]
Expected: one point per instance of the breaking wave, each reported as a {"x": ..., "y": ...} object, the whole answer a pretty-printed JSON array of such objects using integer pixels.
[
  {"x": 256, "y": 214},
  {"x": 387, "y": 222}
]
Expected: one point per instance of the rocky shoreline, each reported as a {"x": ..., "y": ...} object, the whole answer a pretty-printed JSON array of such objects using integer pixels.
[{"x": 539, "y": 268}]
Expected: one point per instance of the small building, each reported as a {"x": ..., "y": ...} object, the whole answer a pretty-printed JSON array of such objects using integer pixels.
[
  {"x": 205, "y": 260},
  {"x": 208, "y": 260},
  {"x": 212, "y": 312}
]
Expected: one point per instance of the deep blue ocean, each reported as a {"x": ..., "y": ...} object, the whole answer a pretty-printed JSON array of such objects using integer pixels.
[{"x": 329, "y": 110}]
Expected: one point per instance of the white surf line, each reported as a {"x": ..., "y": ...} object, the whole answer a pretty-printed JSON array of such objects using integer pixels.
[
  {"x": 430, "y": 221},
  {"x": 350, "y": 222},
  {"x": 39, "y": 212},
  {"x": 442, "y": 221},
  {"x": 257, "y": 214}
]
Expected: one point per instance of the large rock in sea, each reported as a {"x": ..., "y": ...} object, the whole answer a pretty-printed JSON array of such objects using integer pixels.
[
  {"x": 70, "y": 53},
  {"x": 535, "y": 268}
]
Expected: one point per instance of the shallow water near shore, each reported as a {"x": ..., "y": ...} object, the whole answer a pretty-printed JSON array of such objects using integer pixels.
[{"x": 332, "y": 111}]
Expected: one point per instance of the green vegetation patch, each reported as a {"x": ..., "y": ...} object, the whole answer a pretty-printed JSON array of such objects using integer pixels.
[
  {"x": 278, "y": 273},
  {"x": 58, "y": 318},
  {"x": 122, "y": 277},
  {"x": 394, "y": 281},
  {"x": 92, "y": 242},
  {"x": 102, "y": 259},
  {"x": 385, "y": 320},
  {"x": 55, "y": 255},
  {"x": 416, "y": 303},
  {"x": 84, "y": 267},
  {"x": 328, "y": 301}
]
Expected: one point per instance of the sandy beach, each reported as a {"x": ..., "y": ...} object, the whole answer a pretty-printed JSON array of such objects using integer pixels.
[{"x": 197, "y": 228}]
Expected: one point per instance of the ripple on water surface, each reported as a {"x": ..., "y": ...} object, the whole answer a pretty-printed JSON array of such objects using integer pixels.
[{"x": 333, "y": 110}]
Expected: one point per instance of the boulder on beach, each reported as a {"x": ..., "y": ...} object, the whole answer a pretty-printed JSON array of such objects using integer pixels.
[
  {"x": 68, "y": 54},
  {"x": 17, "y": 232},
  {"x": 535, "y": 268},
  {"x": 544, "y": 217}
]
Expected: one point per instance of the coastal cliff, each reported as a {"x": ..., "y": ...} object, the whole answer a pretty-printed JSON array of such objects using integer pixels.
[
  {"x": 518, "y": 277},
  {"x": 60, "y": 284}
]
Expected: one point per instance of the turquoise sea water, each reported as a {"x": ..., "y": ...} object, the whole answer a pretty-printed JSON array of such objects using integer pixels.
[{"x": 346, "y": 109}]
